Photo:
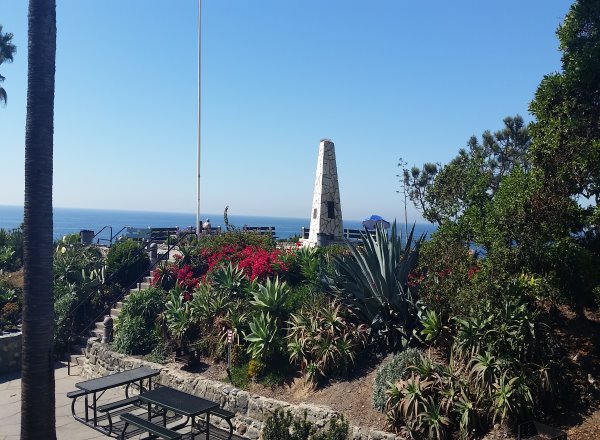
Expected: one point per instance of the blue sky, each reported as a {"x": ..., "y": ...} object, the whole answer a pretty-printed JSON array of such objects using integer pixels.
[{"x": 383, "y": 79}]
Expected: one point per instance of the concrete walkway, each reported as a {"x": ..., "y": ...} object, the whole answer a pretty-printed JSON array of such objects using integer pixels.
[{"x": 67, "y": 427}]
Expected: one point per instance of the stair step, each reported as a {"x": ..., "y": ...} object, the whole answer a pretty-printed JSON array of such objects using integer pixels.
[
  {"x": 119, "y": 305},
  {"x": 142, "y": 286},
  {"x": 115, "y": 313},
  {"x": 77, "y": 359}
]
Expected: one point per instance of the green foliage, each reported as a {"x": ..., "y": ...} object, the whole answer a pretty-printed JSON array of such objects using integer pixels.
[
  {"x": 63, "y": 305},
  {"x": 309, "y": 260},
  {"x": 282, "y": 426},
  {"x": 237, "y": 238},
  {"x": 231, "y": 281},
  {"x": 11, "y": 304},
  {"x": 147, "y": 303},
  {"x": 7, "y": 50},
  {"x": 501, "y": 370},
  {"x": 239, "y": 376},
  {"x": 161, "y": 354},
  {"x": 324, "y": 341},
  {"x": 397, "y": 368},
  {"x": 445, "y": 193},
  {"x": 263, "y": 339},
  {"x": 135, "y": 330},
  {"x": 11, "y": 248},
  {"x": 177, "y": 316},
  {"x": 126, "y": 262},
  {"x": 76, "y": 264},
  {"x": 337, "y": 430},
  {"x": 271, "y": 297},
  {"x": 134, "y": 336},
  {"x": 374, "y": 280}
]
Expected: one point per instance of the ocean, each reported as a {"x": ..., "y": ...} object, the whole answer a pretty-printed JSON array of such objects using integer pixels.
[{"x": 72, "y": 220}]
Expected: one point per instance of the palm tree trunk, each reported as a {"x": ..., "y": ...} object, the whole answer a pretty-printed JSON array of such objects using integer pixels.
[{"x": 37, "y": 386}]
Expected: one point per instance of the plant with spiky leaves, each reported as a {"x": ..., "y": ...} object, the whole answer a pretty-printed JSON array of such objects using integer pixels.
[{"x": 374, "y": 281}]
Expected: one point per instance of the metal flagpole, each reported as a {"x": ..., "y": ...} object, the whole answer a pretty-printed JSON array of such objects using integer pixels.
[{"x": 198, "y": 221}]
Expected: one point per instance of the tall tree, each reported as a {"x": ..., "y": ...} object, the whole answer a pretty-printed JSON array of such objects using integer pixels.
[
  {"x": 37, "y": 386},
  {"x": 566, "y": 133},
  {"x": 7, "y": 50},
  {"x": 445, "y": 193}
]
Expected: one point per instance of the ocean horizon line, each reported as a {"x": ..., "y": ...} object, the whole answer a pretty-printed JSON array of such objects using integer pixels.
[{"x": 203, "y": 215}]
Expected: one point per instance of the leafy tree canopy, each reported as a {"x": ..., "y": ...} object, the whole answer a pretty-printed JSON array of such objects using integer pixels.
[{"x": 7, "y": 50}]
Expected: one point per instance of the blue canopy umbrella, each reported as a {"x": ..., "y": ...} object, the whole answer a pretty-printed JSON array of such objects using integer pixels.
[{"x": 374, "y": 220}]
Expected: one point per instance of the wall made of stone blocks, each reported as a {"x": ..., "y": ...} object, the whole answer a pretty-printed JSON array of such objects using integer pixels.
[
  {"x": 10, "y": 352},
  {"x": 251, "y": 410}
]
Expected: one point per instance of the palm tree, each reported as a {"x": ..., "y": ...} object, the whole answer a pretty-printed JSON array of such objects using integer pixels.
[
  {"x": 37, "y": 377},
  {"x": 7, "y": 50}
]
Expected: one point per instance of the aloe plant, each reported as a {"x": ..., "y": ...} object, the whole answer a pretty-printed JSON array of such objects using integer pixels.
[
  {"x": 374, "y": 279},
  {"x": 323, "y": 340}
]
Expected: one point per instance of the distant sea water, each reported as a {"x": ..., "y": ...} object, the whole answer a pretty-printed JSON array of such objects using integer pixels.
[{"x": 72, "y": 220}]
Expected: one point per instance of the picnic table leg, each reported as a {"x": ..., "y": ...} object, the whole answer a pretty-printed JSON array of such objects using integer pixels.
[
  {"x": 87, "y": 415},
  {"x": 95, "y": 412},
  {"x": 149, "y": 412},
  {"x": 207, "y": 424}
]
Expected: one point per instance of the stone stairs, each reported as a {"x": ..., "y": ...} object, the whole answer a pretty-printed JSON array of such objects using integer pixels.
[{"x": 95, "y": 334}]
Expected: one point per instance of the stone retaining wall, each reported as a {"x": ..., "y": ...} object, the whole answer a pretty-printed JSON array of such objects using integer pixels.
[
  {"x": 10, "y": 352},
  {"x": 251, "y": 410}
]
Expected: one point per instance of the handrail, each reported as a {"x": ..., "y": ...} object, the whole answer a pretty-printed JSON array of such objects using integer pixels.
[
  {"x": 103, "y": 230},
  {"x": 112, "y": 237}
]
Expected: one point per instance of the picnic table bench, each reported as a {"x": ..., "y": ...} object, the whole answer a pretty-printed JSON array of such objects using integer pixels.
[{"x": 148, "y": 426}]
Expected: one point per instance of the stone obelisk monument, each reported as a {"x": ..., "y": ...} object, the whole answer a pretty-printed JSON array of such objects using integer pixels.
[{"x": 326, "y": 213}]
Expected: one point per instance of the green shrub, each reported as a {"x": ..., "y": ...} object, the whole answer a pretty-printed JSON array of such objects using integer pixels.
[
  {"x": 11, "y": 249},
  {"x": 135, "y": 329},
  {"x": 337, "y": 430},
  {"x": 134, "y": 336},
  {"x": 161, "y": 354},
  {"x": 282, "y": 426},
  {"x": 147, "y": 303},
  {"x": 236, "y": 238},
  {"x": 324, "y": 340},
  {"x": 64, "y": 302},
  {"x": 126, "y": 262},
  {"x": 397, "y": 368}
]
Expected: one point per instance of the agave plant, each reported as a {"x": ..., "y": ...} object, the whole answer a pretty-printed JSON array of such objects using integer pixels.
[
  {"x": 177, "y": 316},
  {"x": 271, "y": 297},
  {"x": 374, "y": 279},
  {"x": 262, "y": 338},
  {"x": 231, "y": 280}
]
